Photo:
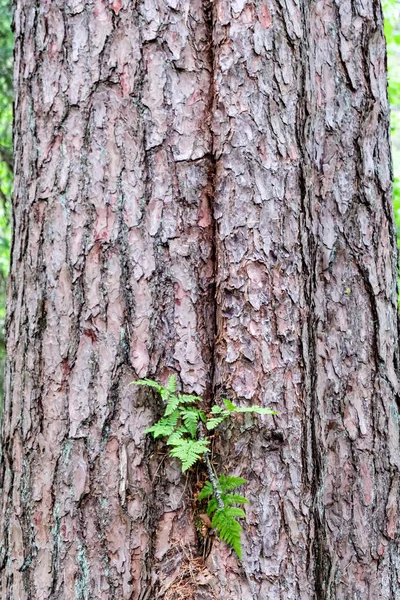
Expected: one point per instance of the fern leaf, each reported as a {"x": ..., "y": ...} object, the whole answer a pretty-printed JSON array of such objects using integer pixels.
[
  {"x": 189, "y": 451},
  {"x": 206, "y": 492},
  {"x": 213, "y": 422},
  {"x": 212, "y": 506},
  {"x": 164, "y": 427},
  {"x": 229, "y": 529},
  {"x": 229, "y": 482},
  {"x": 175, "y": 437},
  {"x": 171, "y": 385},
  {"x": 229, "y": 405},
  {"x": 172, "y": 405},
  {"x": 234, "y": 511},
  {"x": 160, "y": 429},
  {"x": 230, "y": 499},
  {"x": 190, "y": 417},
  {"x": 148, "y": 383},
  {"x": 188, "y": 399},
  {"x": 216, "y": 410}
]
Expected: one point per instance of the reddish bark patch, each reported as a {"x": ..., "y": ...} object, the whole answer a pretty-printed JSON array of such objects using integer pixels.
[
  {"x": 116, "y": 6},
  {"x": 265, "y": 17}
]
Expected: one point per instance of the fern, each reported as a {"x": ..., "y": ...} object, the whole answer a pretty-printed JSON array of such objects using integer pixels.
[
  {"x": 227, "y": 526},
  {"x": 191, "y": 417},
  {"x": 171, "y": 385},
  {"x": 177, "y": 435},
  {"x": 148, "y": 383},
  {"x": 206, "y": 492},
  {"x": 180, "y": 426},
  {"x": 189, "y": 451},
  {"x": 224, "y": 520},
  {"x": 172, "y": 404},
  {"x": 260, "y": 410},
  {"x": 230, "y": 499},
  {"x": 165, "y": 426},
  {"x": 229, "y": 482},
  {"x": 213, "y": 422},
  {"x": 188, "y": 399}
]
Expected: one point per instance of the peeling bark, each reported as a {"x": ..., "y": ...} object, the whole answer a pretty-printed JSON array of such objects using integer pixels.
[{"x": 201, "y": 189}]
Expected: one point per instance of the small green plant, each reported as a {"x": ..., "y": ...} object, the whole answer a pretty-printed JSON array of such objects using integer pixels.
[{"x": 185, "y": 426}]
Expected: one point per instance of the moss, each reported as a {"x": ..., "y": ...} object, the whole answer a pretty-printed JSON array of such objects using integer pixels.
[{"x": 82, "y": 580}]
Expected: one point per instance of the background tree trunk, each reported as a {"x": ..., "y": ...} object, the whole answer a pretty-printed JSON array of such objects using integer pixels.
[{"x": 201, "y": 188}]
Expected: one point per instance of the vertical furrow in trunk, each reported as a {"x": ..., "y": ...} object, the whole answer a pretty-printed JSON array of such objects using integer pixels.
[
  {"x": 112, "y": 279},
  {"x": 261, "y": 306},
  {"x": 354, "y": 303}
]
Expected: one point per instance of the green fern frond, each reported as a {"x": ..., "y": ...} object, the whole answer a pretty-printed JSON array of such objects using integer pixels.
[
  {"x": 260, "y": 410},
  {"x": 229, "y": 405},
  {"x": 229, "y": 529},
  {"x": 212, "y": 506},
  {"x": 213, "y": 422},
  {"x": 171, "y": 385},
  {"x": 216, "y": 410},
  {"x": 234, "y": 511},
  {"x": 172, "y": 404},
  {"x": 206, "y": 492},
  {"x": 188, "y": 399},
  {"x": 176, "y": 436},
  {"x": 229, "y": 482},
  {"x": 189, "y": 451},
  {"x": 191, "y": 417},
  {"x": 148, "y": 383},
  {"x": 165, "y": 426},
  {"x": 230, "y": 499}
]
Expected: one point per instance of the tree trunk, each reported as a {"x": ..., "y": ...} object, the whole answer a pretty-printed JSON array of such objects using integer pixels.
[{"x": 201, "y": 189}]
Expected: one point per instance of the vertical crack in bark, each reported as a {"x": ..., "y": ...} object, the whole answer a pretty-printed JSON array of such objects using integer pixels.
[
  {"x": 310, "y": 455},
  {"x": 209, "y": 10}
]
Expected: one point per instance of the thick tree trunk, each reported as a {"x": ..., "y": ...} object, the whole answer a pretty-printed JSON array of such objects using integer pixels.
[{"x": 201, "y": 188}]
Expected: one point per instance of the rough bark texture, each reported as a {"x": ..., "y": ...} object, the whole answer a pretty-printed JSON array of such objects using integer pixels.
[{"x": 201, "y": 189}]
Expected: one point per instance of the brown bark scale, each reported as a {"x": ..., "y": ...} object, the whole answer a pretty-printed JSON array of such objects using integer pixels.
[{"x": 201, "y": 188}]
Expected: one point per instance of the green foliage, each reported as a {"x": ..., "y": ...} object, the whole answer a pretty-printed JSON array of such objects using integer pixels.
[
  {"x": 180, "y": 426},
  {"x": 219, "y": 414},
  {"x": 189, "y": 451},
  {"x": 6, "y": 164},
  {"x": 229, "y": 529},
  {"x": 179, "y": 422},
  {"x": 391, "y": 9},
  {"x": 224, "y": 519}
]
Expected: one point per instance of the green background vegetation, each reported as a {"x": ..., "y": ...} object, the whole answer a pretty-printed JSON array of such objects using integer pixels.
[
  {"x": 392, "y": 31},
  {"x": 6, "y": 164}
]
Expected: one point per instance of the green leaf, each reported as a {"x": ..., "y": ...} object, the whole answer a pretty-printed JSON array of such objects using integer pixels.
[
  {"x": 188, "y": 399},
  {"x": 189, "y": 451},
  {"x": 171, "y": 385},
  {"x": 234, "y": 511},
  {"x": 230, "y": 499},
  {"x": 229, "y": 529},
  {"x": 229, "y": 482},
  {"x": 148, "y": 383},
  {"x": 164, "y": 427},
  {"x": 206, "y": 492},
  {"x": 212, "y": 506},
  {"x": 176, "y": 436},
  {"x": 172, "y": 405},
  {"x": 190, "y": 417},
  {"x": 216, "y": 410},
  {"x": 229, "y": 405},
  {"x": 214, "y": 422}
]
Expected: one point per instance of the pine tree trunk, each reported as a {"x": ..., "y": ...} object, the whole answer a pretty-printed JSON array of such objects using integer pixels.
[{"x": 201, "y": 189}]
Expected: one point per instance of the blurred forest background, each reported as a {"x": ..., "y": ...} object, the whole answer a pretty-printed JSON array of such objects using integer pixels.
[{"x": 392, "y": 31}]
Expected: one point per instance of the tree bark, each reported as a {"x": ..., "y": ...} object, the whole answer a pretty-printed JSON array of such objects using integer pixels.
[{"x": 201, "y": 189}]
